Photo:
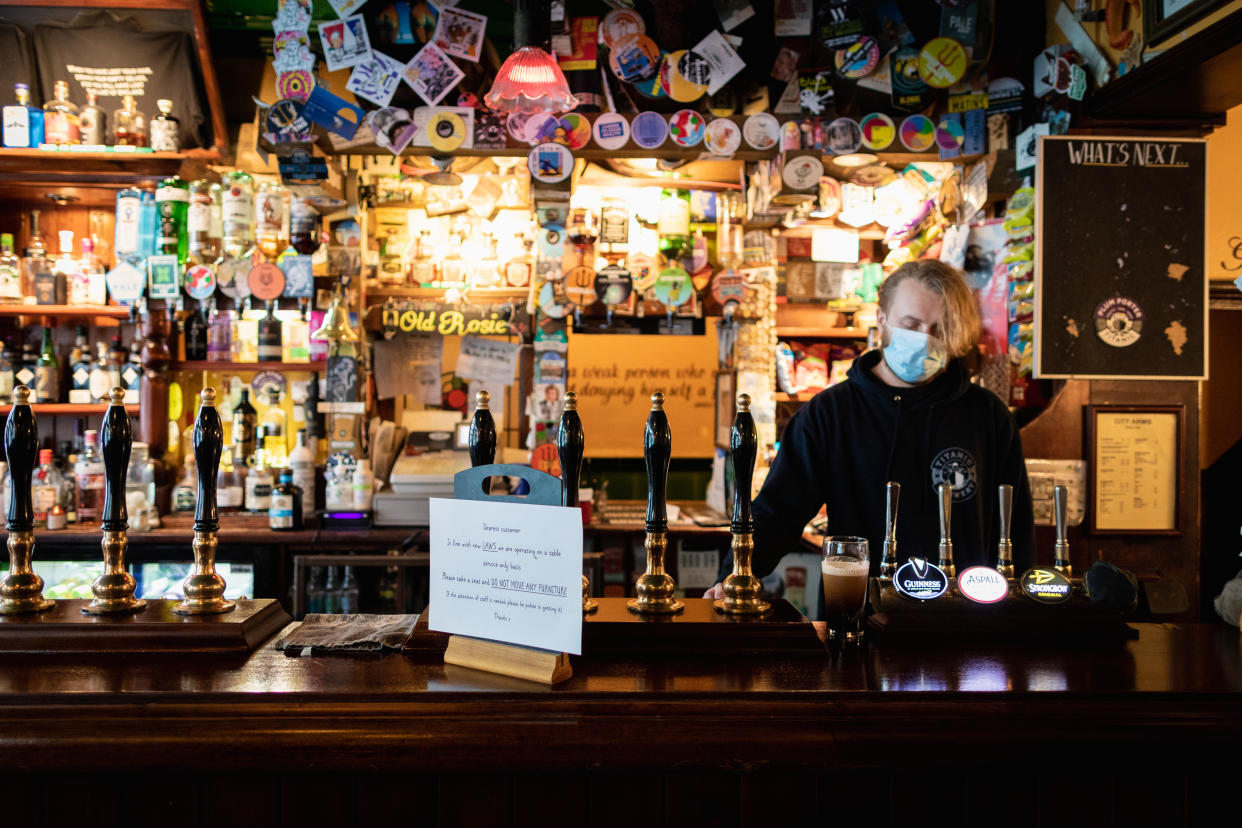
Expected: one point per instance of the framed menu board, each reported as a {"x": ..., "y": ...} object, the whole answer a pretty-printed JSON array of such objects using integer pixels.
[{"x": 1135, "y": 465}]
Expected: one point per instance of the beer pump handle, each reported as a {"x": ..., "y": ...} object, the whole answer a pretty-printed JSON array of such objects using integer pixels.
[
  {"x": 888, "y": 560},
  {"x": 116, "y": 438},
  {"x": 743, "y": 451},
  {"x": 1059, "y": 497},
  {"x": 21, "y": 445},
  {"x": 657, "y": 451},
  {"x": 570, "y": 446},
  {"x": 945, "y": 492},
  {"x": 208, "y": 446},
  {"x": 482, "y": 432},
  {"x": 1004, "y": 546}
]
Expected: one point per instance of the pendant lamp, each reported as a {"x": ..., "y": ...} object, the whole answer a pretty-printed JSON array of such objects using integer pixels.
[{"x": 530, "y": 81}]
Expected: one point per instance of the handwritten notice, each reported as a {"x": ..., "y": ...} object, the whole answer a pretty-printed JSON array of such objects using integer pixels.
[
  {"x": 487, "y": 360},
  {"x": 507, "y": 572}
]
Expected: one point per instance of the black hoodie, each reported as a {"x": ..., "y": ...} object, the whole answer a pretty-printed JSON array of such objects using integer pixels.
[{"x": 842, "y": 446}]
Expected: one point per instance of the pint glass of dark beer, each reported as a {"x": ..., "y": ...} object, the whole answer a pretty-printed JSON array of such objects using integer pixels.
[{"x": 846, "y": 564}]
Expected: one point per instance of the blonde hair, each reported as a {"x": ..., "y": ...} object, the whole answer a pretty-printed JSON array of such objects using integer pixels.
[{"x": 960, "y": 322}]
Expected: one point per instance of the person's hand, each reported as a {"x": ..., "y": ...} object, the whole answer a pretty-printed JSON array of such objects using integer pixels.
[{"x": 715, "y": 593}]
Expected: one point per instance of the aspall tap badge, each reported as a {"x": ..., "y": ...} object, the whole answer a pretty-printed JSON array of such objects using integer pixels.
[
  {"x": 982, "y": 584},
  {"x": 1047, "y": 586},
  {"x": 921, "y": 580}
]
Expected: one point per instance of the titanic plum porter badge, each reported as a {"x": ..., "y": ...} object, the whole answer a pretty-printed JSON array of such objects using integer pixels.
[
  {"x": 920, "y": 580},
  {"x": 1119, "y": 321}
]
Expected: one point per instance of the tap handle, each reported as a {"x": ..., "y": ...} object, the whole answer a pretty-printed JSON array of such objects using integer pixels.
[
  {"x": 570, "y": 446},
  {"x": 892, "y": 494},
  {"x": 657, "y": 451},
  {"x": 743, "y": 451},
  {"x": 946, "y": 511},
  {"x": 116, "y": 438},
  {"x": 1005, "y": 493},
  {"x": 1060, "y": 495},
  {"x": 482, "y": 432},
  {"x": 208, "y": 445},
  {"x": 21, "y": 445}
]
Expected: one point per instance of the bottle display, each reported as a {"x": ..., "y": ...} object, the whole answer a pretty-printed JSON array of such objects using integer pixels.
[
  {"x": 92, "y": 273},
  {"x": 129, "y": 125},
  {"x": 304, "y": 227},
  {"x": 139, "y": 480},
  {"x": 195, "y": 336},
  {"x": 203, "y": 222},
  {"x": 172, "y": 200},
  {"x": 165, "y": 129},
  {"x": 259, "y": 479},
  {"x": 23, "y": 123},
  {"x": 34, "y": 259},
  {"x": 270, "y": 337},
  {"x": 271, "y": 213},
  {"x": 10, "y": 270},
  {"x": 185, "y": 493},
  {"x": 67, "y": 270},
  {"x": 89, "y": 472},
  {"x": 100, "y": 382},
  {"x": 131, "y": 373},
  {"x": 46, "y": 487},
  {"x": 285, "y": 510},
  {"x": 47, "y": 372},
  {"x": 302, "y": 466},
  {"x": 93, "y": 122},
  {"x": 237, "y": 214},
  {"x": 7, "y": 378},
  {"x": 80, "y": 369},
  {"x": 127, "y": 239},
  {"x": 674, "y": 223},
  {"x": 61, "y": 119},
  {"x": 220, "y": 336},
  {"x": 230, "y": 484},
  {"x": 275, "y": 427},
  {"x": 349, "y": 592},
  {"x": 245, "y": 421}
]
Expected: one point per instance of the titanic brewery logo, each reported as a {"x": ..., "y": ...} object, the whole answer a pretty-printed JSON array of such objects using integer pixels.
[
  {"x": 956, "y": 467},
  {"x": 1119, "y": 321}
]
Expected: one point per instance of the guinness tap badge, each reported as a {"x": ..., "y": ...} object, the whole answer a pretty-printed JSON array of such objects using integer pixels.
[{"x": 921, "y": 580}]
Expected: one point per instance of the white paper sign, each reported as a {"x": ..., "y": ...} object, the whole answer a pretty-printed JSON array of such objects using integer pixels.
[
  {"x": 507, "y": 572},
  {"x": 723, "y": 59},
  {"x": 486, "y": 360}
]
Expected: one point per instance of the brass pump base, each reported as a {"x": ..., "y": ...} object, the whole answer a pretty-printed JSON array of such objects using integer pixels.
[
  {"x": 656, "y": 589},
  {"x": 588, "y": 603},
  {"x": 204, "y": 589},
  {"x": 21, "y": 591},
  {"x": 114, "y": 589},
  {"x": 742, "y": 589}
]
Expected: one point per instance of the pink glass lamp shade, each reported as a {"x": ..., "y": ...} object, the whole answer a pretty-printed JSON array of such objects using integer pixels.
[{"x": 530, "y": 81}]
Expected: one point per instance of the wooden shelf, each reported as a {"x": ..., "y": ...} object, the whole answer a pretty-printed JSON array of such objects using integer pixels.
[
  {"x": 68, "y": 409},
  {"x": 66, "y": 311},
  {"x": 492, "y": 293},
  {"x": 206, "y": 365},
  {"x": 821, "y": 333}
]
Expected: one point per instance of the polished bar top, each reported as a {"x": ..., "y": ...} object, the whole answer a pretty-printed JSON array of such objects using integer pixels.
[{"x": 1180, "y": 681}]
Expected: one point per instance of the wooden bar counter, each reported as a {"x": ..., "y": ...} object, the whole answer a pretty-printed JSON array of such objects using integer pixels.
[{"x": 1145, "y": 733}]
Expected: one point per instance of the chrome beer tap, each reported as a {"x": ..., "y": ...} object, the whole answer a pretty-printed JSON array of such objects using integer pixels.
[
  {"x": 888, "y": 559},
  {"x": 945, "y": 561},
  {"x": 1004, "y": 546},
  {"x": 1061, "y": 551}
]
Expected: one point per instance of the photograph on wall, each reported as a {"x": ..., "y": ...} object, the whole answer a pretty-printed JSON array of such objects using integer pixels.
[{"x": 344, "y": 42}]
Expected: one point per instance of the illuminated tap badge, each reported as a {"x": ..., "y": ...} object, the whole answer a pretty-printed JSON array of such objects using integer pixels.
[
  {"x": 982, "y": 584},
  {"x": 1047, "y": 586},
  {"x": 921, "y": 580}
]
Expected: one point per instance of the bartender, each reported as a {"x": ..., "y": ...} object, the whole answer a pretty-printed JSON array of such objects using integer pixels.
[{"x": 908, "y": 413}]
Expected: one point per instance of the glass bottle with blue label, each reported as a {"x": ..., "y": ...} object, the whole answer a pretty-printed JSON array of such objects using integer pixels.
[{"x": 23, "y": 123}]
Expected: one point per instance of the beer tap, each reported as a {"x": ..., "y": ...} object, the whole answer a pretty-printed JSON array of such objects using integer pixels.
[
  {"x": 655, "y": 588},
  {"x": 114, "y": 589},
  {"x": 204, "y": 588},
  {"x": 945, "y": 561},
  {"x": 482, "y": 437},
  {"x": 742, "y": 589},
  {"x": 888, "y": 559},
  {"x": 570, "y": 446},
  {"x": 1061, "y": 551},
  {"x": 21, "y": 591},
  {"x": 1004, "y": 546}
]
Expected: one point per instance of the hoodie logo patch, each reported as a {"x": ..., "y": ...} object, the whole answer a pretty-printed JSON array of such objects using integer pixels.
[{"x": 956, "y": 467}]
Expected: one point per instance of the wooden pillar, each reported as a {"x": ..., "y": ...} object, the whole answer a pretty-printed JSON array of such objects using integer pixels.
[{"x": 153, "y": 393}]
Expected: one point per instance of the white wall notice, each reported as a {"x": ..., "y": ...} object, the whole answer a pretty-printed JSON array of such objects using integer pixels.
[{"x": 507, "y": 572}]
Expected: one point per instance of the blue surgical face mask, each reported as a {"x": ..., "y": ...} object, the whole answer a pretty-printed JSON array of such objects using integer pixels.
[{"x": 913, "y": 356}]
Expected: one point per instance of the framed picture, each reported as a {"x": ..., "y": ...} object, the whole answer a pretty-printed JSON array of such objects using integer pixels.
[
  {"x": 726, "y": 406},
  {"x": 1135, "y": 457},
  {"x": 1162, "y": 18}
]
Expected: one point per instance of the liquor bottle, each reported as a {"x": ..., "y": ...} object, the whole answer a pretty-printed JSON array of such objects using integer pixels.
[
  {"x": 185, "y": 493},
  {"x": 453, "y": 268},
  {"x": 203, "y": 222},
  {"x": 237, "y": 214},
  {"x": 332, "y": 592},
  {"x": 269, "y": 337},
  {"x": 118, "y": 354},
  {"x": 172, "y": 200},
  {"x": 230, "y": 484},
  {"x": 68, "y": 497},
  {"x": 614, "y": 224},
  {"x": 25, "y": 369},
  {"x": 285, "y": 511},
  {"x": 363, "y": 483},
  {"x": 93, "y": 122},
  {"x": 68, "y": 271},
  {"x": 302, "y": 464},
  {"x": 80, "y": 369},
  {"x": 423, "y": 268},
  {"x": 131, "y": 373},
  {"x": 129, "y": 126},
  {"x": 258, "y": 480},
  {"x": 314, "y": 591},
  {"x": 245, "y": 335},
  {"x": 100, "y": 382},
  {"x": 195, "y": 336},
  {"x": 34, "y": 258},
  {"x": 148, "y": 224},
  {"x": 349, "y": 592},
  {"x": 47, "y": 372},
  {"x": 486, "y": 272},
  {"x": 245, "y": 419},
  {"x": 521, "y": 266},
  {"x": 23, "y": 123},
  {"x": 674, "y": 223},
  {"x": 61, "y": 119},
  {"x": 127, "y": 240},
  {"x": 93, "y": 274},
  {"x": 10, "y": 270},
  {"x": 275, "y": 427},
  {"x": 220, "y": 337},
  {"x": 271, "y": 214},
  {"x": 7, "y": 378},
  {"x": 165, "y": 129},
  {"x": 45, "y": 487},
  {"x": 89, "y": 471},
  {"x": 304, "y": 227},
  {"x": 295, "y": 341}
]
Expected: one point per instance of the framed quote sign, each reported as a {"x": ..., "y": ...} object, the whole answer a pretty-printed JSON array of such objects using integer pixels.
[{"x": 1135, "y": 455}]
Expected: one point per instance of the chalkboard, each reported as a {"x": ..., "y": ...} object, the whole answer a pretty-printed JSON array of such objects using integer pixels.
[{"x": 1120, "y": 285}]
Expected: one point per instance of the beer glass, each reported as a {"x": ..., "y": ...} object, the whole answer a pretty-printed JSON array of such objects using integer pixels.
[{"x": 846, "y": 565}]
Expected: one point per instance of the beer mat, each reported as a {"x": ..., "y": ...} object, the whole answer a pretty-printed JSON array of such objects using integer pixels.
[
  {"x": 155, "y": 630},
  {"x": 351, "y": 633},
  {"x": 612, "y": 631}
]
